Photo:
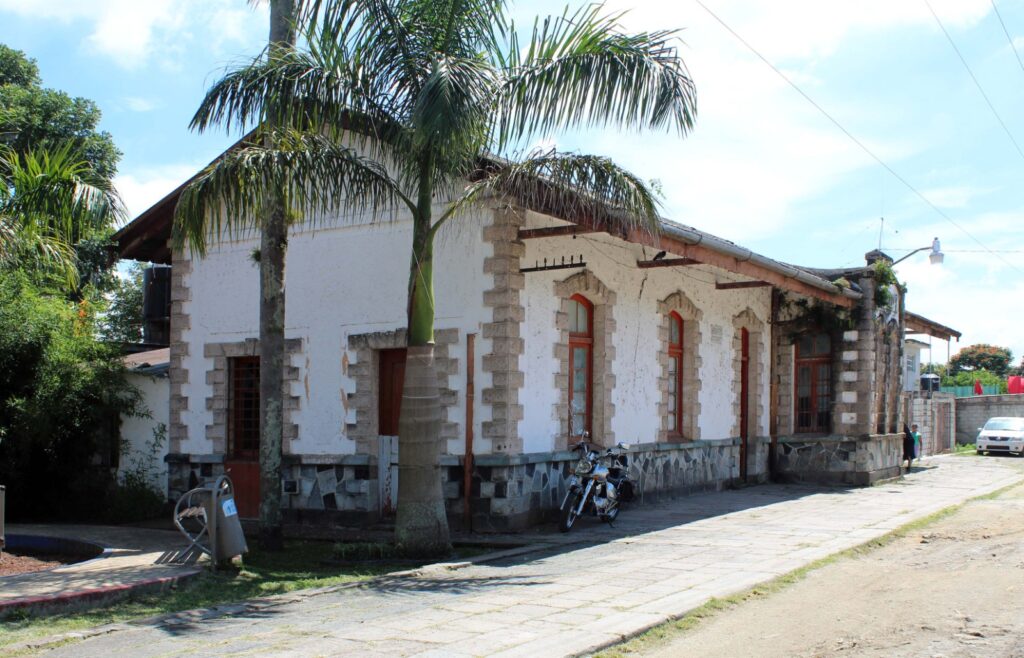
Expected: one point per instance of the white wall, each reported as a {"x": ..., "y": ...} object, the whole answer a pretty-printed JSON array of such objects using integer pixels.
[
  {"x": 137, "y": 432},
  {"x": 636, "y": 366},
  {"x": 911, "y": 367},
  {"x": 348, "y": 280},
  {"x": 340, "y": 281}
]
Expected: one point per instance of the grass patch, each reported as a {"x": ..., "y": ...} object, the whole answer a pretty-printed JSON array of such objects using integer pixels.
[
  {"x": 965, "y": 449},
  {"x": 302, "y": 565},
  {"x": 659, "y": 635}
]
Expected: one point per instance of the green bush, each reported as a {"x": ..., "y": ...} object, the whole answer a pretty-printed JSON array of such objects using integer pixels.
[
  {"x": 966, "y": 378},
  {"x": 62, "y": 393}
]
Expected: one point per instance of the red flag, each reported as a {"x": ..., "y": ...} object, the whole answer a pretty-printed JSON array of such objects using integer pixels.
[{"x": 977, "y": 387}]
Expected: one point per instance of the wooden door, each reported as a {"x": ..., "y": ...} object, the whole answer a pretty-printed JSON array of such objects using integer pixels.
[
  {"x": 941, "y": 435},
  {"x": 242, "y": 460},
  {"x": 390, "y": 383},
  {"x": 744, "y": 400}
]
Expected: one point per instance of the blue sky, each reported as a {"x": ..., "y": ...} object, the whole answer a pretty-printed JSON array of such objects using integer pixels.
[{"x": 763, "y": 168}]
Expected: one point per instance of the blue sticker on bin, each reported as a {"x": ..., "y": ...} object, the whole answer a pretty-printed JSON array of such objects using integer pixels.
[{"x": 229, "y": 507}]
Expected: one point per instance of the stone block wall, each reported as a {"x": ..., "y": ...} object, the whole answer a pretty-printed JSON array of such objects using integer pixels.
[
  {"x": 935, "y": 416},
  {"x": 972, "y": 412},
  {"x": 856, "y": 461},
  {"x": 512, "y": 492}
]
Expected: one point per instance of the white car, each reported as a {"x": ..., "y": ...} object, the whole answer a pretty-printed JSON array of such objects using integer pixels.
[{"x": 1001, "y": 435}]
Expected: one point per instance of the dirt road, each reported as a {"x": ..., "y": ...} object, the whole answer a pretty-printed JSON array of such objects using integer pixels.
[{"x": 954, "y": 588}]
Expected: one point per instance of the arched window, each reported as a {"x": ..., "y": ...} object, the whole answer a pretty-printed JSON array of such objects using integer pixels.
[
  {"x": 814, "y": 383},
  {"x": 581, "y": 365},
  {"x": 675, "y": 375}
]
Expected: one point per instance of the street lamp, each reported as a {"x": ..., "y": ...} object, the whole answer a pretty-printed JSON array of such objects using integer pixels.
[{"x": 935, "y": 258}]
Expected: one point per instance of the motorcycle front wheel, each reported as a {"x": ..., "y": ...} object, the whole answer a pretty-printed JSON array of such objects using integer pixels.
[
  {"x": 569, "y": 513},
  {"x": 611, "y": 515}
]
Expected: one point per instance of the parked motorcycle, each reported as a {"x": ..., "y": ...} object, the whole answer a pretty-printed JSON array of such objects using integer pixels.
[{"x": 599, "y": 484}]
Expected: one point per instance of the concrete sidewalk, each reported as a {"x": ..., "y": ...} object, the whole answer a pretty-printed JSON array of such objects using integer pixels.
[
  {"x": 655, "y": 565},
  {"x": 134, "y": 559}
]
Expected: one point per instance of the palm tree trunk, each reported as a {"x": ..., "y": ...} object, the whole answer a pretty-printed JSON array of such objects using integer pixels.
[
  {"x": 273, "y": 246},
  {"x": 421, "y": 526}
]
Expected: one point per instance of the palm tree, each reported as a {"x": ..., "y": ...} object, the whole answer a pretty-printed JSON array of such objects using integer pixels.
[
  {"x": 48, "y": 201},
  {"x": 272, "y": 174},
  {"x": 428, "y": 91}
]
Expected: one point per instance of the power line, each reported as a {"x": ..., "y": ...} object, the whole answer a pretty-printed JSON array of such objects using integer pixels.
[
  {"x": 976, "y": 82},
  {"x": 1009, "y": 39},
  {"x": 856, "y": 141}
]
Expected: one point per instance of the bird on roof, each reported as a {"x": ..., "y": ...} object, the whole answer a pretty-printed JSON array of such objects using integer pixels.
[{"x": 659, "y": 255}]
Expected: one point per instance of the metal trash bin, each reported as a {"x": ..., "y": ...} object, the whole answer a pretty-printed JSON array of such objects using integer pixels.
[
  {"x": 216, "y": 530},
  {"x": 228, "y": 538}
]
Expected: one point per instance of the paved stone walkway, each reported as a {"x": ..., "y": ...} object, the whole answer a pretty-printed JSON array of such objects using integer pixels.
[
  {"x": 134, "y": 558},
  {"x": 655, "y": 565}
]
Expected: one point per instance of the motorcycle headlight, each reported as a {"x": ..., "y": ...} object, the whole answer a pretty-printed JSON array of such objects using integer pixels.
[{"x": 584, "y": 466}]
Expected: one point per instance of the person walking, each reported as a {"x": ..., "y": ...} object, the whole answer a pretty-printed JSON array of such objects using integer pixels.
[
  {"x": 908, "y": 446},
  {"x": 917, "y": 441}
]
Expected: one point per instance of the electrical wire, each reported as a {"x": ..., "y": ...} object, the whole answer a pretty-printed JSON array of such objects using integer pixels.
[
  {"x": 977, "y": 84},
  {"x": 854, "y": 139},
  {"x": 1009, "y": 39}
]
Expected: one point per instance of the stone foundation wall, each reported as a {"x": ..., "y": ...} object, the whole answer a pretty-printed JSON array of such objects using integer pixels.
[
  {"x": 512, "y": 492},
  {"x": 509, "y": 492},
  {"x": 845, "y": 460}
]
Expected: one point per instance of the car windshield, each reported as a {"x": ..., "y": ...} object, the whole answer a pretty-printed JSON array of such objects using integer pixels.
[{"x": 1013, "y": 424}]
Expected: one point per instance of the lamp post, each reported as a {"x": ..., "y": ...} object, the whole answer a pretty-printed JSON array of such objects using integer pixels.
[{"x": 935, "y": 258}]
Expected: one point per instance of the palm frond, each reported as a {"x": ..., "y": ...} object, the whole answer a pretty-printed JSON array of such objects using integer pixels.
[
  {"x": 580, "y": 70},
  {"x": 59, "y": 193},
  {"x": 584, "y": 189},
  {"x": 24, "y": 247},
  {"x": 313, "y": 174},
  {"x": 451, "y": 117}
]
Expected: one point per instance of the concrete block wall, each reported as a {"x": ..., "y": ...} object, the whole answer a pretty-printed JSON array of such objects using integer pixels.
[{"x": 971, "y": 413}]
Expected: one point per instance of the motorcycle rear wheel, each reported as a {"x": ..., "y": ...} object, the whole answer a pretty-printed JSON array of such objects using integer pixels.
[{"x": 569, "y": 513}]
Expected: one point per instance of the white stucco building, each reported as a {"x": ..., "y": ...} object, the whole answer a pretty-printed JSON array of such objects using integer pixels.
[{"x": 710, "y": 359}]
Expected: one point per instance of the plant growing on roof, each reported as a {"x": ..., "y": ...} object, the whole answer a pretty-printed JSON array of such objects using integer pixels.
[{"x": 400, "y": 103}]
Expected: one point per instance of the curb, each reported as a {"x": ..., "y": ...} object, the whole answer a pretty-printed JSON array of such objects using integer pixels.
[{"x": 94, "y": 595}]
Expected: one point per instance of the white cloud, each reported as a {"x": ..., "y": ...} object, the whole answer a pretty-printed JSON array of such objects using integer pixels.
[
  {"x": 136, "y": 104},
  {"x": 145, "y": 186},
  {"x": 955, "y": 196},
  {"x": 132, "y": 32}
]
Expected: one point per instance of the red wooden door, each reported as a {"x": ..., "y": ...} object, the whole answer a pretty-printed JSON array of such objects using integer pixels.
[
  {"x": 744, "y": 399},
  {"x": 242, "y": 463},
  {"x": 392, "y": 379}
]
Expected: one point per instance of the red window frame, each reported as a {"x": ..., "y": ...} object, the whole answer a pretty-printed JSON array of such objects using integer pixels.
[
  {"x": 675, "y": 355},
  {"x": 244, "y": 408},
  {"x": 816, "y": 418},
  {"x": 584, "y": 341}
]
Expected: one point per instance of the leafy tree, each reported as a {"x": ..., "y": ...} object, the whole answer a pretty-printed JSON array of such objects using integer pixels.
[
  {"x": 402, "y": 103},
  {"x": 1019, "y": 370},
  {"x": 33, "y": 117},
  {"x": 61, "y": 394},
  {"x": 992, "y": 358},
  {"x": 122, "y": 322},
  {"x": 967, "y": 378}
]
